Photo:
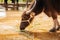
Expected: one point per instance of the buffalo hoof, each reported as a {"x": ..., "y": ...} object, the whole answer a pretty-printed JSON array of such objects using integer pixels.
[
  {"x": 58, "y": 28},
  {"x": 53, "y": 30}
]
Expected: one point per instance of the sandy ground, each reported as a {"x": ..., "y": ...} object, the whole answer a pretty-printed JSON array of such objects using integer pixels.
[{"x": 38, "y": 29}]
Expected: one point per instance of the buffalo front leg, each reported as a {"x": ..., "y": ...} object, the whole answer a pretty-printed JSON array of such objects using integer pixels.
[
  {"x": 6, "y": 4},
  {"x": 56, "y": 23},
  {"x": 26, "y": 20}
]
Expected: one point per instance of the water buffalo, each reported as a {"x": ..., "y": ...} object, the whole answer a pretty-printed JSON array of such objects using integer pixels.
[{"x": 50, "y": 7}]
